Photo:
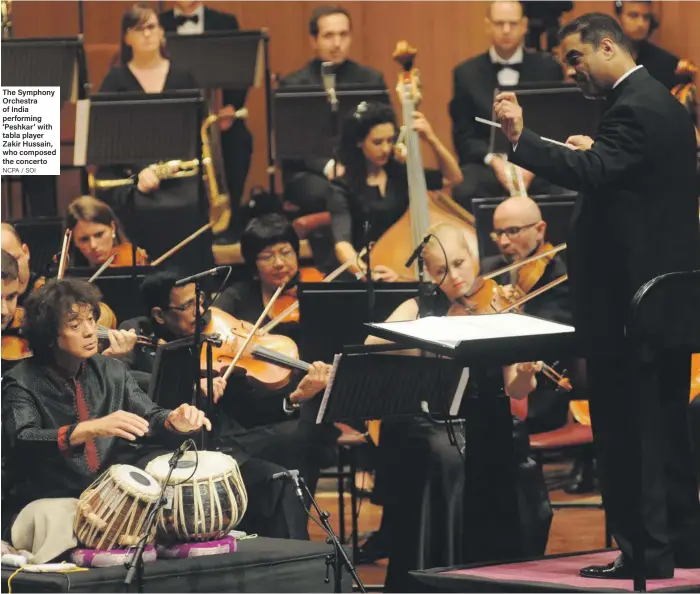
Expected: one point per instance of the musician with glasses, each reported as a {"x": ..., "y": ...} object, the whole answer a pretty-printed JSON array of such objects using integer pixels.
[{"x": 157, "y": 213}]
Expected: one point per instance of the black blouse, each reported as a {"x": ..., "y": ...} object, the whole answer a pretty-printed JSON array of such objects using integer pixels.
[
  {"x": 349, "y": 211},
  {"x": 121, "y": 79}
]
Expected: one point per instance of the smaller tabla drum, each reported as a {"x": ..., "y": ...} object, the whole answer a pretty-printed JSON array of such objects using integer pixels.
[
  {"x": 112, "y": 512},
  {"x": 206, "y": 496}
]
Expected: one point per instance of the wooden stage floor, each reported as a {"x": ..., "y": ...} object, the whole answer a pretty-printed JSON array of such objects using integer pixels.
[{"x": 572, "y": 529}]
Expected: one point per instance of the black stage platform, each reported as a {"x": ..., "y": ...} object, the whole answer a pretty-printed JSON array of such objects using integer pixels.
[
  {"x": 555, "y": 573},
  {"x": 259, "y": 565}
]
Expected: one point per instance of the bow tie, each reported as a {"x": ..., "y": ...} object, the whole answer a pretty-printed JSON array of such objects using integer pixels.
[
  {"x": 181, "y": 19},
  {"x": 497, "y": 66}
]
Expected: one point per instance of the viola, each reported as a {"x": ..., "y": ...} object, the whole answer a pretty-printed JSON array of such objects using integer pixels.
[
  {"x": 14, "y": 346},
  {"x": 280, "y": 348},
  {"x": 529, "y": 274},
  {"x": 289, "y": 297}
]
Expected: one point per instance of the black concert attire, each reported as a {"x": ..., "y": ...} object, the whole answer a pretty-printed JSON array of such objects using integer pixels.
[
  {"x": 659, "y": 63},
  {"x": 159, "y": 220},
  {"x": 237, "y": 141},
  {"x": 548, "y": 408},
  {"x": 279, "y": 439},
  {"x": 36, "y": 281},
  {"x": 351, "y": 210},
  {"x": 474, "y": 82},
  {"x": 41, "y": 409},
  {"x": 424, "y": 487},
  {"x": 305, "y": 185},
  {"x": 638, "y": 202}
]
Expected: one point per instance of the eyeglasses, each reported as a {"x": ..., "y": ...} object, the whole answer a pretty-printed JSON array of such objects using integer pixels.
[
  {"x": 510, "y": 232},
  {"x": 269, "y": 257},
  {"x": 187, "y": 304},
  {"x": 149, "y": 27}
]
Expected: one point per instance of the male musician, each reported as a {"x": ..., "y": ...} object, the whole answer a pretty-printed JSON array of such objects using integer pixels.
[
  {"x": 10, "y": 289},
  {"x": 638, "y": 203},
  {"x": 505, "y": 64},
  {"x": 64, "y": 408},
  {"x": 13, "y": 245},
  {"x": 194, "y": 18},
  {"x": 307, "y": 182},
  {"x": 171, "y": 316},
  {"x": 638, "y": 23}
]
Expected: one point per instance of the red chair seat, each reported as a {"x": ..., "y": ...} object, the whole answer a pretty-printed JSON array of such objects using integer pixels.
[
  {"x": 308, "y": 223},
  {"x": 350, "y": 436},
  {"x": 571, "y": 434}
]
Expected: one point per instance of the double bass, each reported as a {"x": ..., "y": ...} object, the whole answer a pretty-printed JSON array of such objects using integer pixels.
[{"x": 425, "y": 208}]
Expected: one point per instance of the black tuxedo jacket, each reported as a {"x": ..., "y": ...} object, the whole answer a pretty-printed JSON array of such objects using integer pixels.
[
  {"x": 346, "y": 74},
  {"x": 213, "y": 21},
  {"x": 474, "y": 82},
  {"x": 637, "y": 216}
]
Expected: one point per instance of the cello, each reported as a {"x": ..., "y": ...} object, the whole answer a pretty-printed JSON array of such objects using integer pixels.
[{"x": 425, "y": 208}]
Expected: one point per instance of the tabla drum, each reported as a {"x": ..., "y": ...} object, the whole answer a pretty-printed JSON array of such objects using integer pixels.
[
  {"x": 206, "y": 496},
  {"x": 112, "y": 512}
]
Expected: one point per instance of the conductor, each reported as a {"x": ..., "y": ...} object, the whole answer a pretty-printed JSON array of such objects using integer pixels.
[{"x": 636, "y": 219}]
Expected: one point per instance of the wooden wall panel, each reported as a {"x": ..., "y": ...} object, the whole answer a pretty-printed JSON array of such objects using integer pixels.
[{"x": 444, "y": 32}]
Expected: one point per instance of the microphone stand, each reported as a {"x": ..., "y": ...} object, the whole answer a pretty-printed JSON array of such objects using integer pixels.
[
  {"x": 421, "y": 286},
  {"x": 338, "y": 557},
  {"x": 134, "y": 566}
]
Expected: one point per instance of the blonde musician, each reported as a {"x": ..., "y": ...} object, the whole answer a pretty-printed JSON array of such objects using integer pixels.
[
  {"x": 372, "y": 185},
  {"x": 98, "y": 235},
  {"x": 431, "y": 499},
  {"x": 159, "y": 210}
]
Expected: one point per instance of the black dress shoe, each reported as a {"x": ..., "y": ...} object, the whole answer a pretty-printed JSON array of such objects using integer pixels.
[
  {"x": 372, "y": 550},
  {"x": 582, "y": 479},
  {"x": 620, "y": 570}
]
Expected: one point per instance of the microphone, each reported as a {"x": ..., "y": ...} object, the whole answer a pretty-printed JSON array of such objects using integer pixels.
[
  {"x": 418, "y": 250},
  {"x": 294, "y": 475},
  {"x": 195, "y": 277},
  {"x": 180, "y": 452},
  {"x": 328, "y": 76}
]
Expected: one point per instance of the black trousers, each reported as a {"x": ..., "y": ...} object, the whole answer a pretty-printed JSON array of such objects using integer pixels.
[
  {"x": 481, "y": 182},
  {"x": 639, "y": 413},
  {"x": 237, "y": 149}
]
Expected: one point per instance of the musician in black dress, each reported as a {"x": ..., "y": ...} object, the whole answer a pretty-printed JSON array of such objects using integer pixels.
[
  {"x": 194, "y": 18},
  {"x": 157, "y": 213},
  {"x": 372, "y": 193},
  {"x": 423, "y": 496}
]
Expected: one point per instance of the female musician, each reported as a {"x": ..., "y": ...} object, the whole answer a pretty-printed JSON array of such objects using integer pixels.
[
  {"x": 423, "y": 517},
  {"x": 374, "y": 183},
  {"x": 98, "y": 235},
  {"x": 157, "y": 212}
]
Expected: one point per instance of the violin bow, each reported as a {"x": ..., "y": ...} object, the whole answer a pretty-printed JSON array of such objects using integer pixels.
[
  {"x": 102, "y": 268},
  {"x": 495, "y": 273},
  {"x": 271, "y": 325},
  {"x": 63, "y": 262},
  {"x": 181, "y": 245},
  {"x": 518, "y": 302},
  {"x": 246, "y": 342}
]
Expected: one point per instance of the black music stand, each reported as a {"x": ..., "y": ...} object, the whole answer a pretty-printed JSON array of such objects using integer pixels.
[
  {"x": 556, "y": 212},
  {"x": 299, "y": 131},
  {"x": 248, "y": 66},
  {"x": 320, "y": 303},
  {"x": 492, "y": 524},
  {"x": 556, "y": 111},
  {"x": 46, "y": 62}
]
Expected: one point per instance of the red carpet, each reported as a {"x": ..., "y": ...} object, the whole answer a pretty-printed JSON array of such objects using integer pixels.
[{"x": 562, "y": 573}]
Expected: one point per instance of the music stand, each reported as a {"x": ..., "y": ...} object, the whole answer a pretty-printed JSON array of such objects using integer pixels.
[
  {"x": 492, "y": 525},
  {"x": 46, "y": 62},
  {"x": 320, "y": 303},
  {"x": 173, "y": 378},
  {"x": 299, "y": 131},
  {"x": 553, "y": 110},
  {"x": 556, "y": 212}
]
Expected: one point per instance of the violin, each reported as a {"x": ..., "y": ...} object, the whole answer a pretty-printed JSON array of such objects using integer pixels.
[
  {"x": 289, "y": 297},
  {"x": 14, "y": 346},
  {"x": 122, "y": 255},
  {"x": 282, "y": 349},
  {"x": 530, "y": 273}
]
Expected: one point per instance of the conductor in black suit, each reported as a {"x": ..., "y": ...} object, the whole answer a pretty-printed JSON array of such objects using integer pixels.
[
  {"x": 193, "y": 18},
  {"x": 636, "y": 219},
  {"x": 307, "y": 182},
  {"x": 505, "y": 64}
]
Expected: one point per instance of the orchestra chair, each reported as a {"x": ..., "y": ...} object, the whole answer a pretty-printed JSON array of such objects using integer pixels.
[{"x": 348, "y": 442}]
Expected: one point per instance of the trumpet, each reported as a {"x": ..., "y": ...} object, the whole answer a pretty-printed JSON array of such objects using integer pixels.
[{"x": 173, "y": 169}]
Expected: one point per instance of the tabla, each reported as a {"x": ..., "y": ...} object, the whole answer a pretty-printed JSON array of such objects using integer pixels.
[
  {"x": 112, "y": 512},
  {"x": 206, "y": 496}
]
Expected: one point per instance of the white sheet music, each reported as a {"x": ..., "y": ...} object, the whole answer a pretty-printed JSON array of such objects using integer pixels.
[{"x": 450, "y": 331}]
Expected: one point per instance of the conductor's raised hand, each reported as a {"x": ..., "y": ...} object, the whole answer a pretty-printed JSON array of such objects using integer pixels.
[
  {"x": 187, "y": 418},
  {"x": 510, "y": 115},
  {"x": 579, "y": 142}
]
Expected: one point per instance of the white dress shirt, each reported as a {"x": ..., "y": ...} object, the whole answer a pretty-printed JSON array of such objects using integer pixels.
[
  {"x": 508, "y": 76},
  {"x": 626, "y": 74},
  {"x": 190, "y": 28}
]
